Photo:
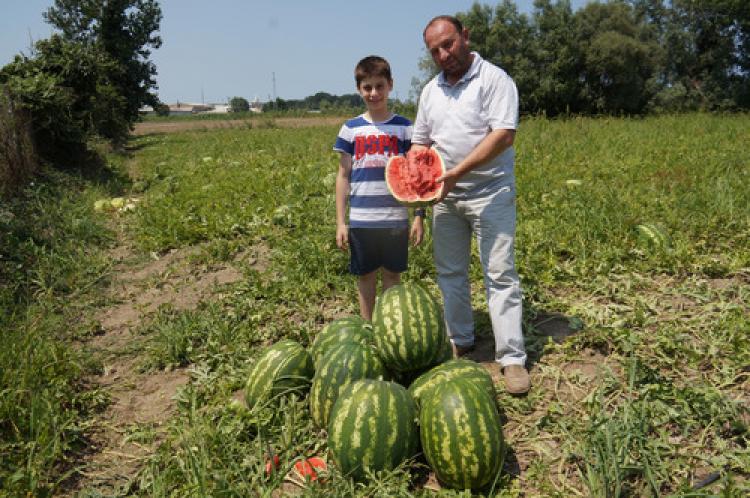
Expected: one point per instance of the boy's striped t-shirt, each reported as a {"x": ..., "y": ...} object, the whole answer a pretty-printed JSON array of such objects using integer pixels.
[{"x": 371, "y": 145}]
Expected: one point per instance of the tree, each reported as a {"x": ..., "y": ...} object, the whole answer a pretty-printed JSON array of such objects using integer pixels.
[
  {"x": 239, "y": 104},
  {"x": 124, "y": 30},
  {"x": 709, "y": 49},
  {"x": 161, "y": 109},
  {"x": 65, "y": 89},
  {"x": 620, "y": 58},
  {"x": 505, "y": 38}
]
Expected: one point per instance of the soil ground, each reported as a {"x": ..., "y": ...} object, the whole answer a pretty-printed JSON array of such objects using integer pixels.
[
  {"x": 141, "y": 401},
  {"x": 131, "y": 427}
]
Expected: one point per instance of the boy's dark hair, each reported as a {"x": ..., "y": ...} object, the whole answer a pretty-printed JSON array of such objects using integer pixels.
[
  {"x": 453, "y": 20},
  {"x": 370, "y": 66}
]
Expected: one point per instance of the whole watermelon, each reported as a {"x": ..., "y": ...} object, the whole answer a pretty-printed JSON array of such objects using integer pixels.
[
  {"x": 284, "y": 367},
  {"x": 347, "y": 329},
  {"x": 653, "y": 236},
  {"x": 424, "y": 384},
  {"x": 339, "y": 367},
  {"x": 461, "y": 434},
  {"x": 407, "y": 378},
  {"x": 408, "y": 328},
  {"x": 372, "y": 427}
]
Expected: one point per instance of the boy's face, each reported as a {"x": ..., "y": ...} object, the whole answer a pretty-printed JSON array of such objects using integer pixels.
[{"x": 374, "y": 91}]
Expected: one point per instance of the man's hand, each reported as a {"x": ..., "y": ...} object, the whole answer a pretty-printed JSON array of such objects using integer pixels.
[
  {"x": 449, "y": 180},
  {"x": 490, "y": 147}
]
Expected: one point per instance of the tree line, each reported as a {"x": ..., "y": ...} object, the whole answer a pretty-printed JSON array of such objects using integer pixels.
[
  {"x": 617, "y": 57},
  {"x": 88, "y": 79},
  {"x": 322, "y": 101}
]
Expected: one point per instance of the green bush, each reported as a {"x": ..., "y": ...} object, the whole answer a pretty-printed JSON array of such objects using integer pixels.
[
  {"x": 64, "y": 87},
  {"x": 239, "y": 104}
]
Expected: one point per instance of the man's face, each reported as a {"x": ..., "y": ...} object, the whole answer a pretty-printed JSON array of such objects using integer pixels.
[{"x": 449, "y": 48}]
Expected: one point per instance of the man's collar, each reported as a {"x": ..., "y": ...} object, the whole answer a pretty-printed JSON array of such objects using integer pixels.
[{"x": 468, "y": 75}]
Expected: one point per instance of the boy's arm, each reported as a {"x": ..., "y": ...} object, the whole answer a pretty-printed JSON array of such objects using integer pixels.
[
  {"x": 342, "y": 197},
  {"x": 416, "y": 234}
]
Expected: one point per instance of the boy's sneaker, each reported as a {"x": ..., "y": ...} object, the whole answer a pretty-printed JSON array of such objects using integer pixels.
[{"x": 517, "y": 380}]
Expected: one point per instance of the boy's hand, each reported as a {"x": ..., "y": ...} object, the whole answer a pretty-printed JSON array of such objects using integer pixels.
[
  {"x": 417, "y": 231},
  {"x": 342, "y": 237}
]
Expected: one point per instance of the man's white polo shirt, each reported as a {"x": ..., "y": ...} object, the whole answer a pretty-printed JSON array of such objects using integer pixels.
[{"x": 456, "y": 118}]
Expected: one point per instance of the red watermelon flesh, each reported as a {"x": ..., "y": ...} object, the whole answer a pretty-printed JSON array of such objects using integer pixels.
[{"x": 411, "y": 179}]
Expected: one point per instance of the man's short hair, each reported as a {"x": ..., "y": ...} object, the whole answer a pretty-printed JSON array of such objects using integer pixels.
[
  {"x": 370, "y": 66},
  {"x": 451, "y": 19}
]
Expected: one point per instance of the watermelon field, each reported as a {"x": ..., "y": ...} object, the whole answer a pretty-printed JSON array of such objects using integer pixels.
[{"x": 130, "y": 330}]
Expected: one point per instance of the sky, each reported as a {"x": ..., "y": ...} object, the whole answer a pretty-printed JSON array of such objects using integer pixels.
[{"x": 213, "y": 50}]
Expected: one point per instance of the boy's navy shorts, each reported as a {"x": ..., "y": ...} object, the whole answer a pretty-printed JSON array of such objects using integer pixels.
[{"x": 372, "y": 248}]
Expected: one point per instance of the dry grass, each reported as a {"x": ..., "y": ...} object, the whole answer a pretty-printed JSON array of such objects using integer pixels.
[{"x": 18, "y": 159}]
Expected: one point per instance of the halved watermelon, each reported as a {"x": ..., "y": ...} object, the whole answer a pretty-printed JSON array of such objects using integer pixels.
[{"x": 411, "y": 178}]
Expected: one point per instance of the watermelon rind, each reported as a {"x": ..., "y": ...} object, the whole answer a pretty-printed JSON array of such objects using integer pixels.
[
  {"x": 653, "y": 236},
  {"x": 407, "y": 378},
  {"x": 340, "y": 366},
  {"x": 461, "y": 435},
  {"x": 408, "y": 328},
  {"x": 285, "y": 367},
  {"x": 426, "y": 383},
  {"x": 372, "y": 428},
  {"x": 346, "y": 329}
]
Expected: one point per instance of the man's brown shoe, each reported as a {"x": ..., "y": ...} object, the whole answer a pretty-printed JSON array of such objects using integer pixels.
[
  {"x": 459, "y": 351},
  {"x": 517, "y": 379}
]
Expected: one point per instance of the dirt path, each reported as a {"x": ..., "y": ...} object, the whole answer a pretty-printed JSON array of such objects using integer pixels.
[
  {"x": 149, "y": 127},
  {"x": 132, "y": 426}
]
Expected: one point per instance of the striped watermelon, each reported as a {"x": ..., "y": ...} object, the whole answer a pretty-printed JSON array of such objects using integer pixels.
[
  {"x": 340, "y": 366},
  {"x": 408, "y": 328},
  {"x": 445, "y": 354},
  {"x": 372, "y": 427},
  {"x": 347, "y": 329},
  {"x": 424, "y": 385},
  {"x": 407, "y": 378},
  {"x": 654, "y": 236},
  {"x": 284, "y": 367},
  {"x": 461, "y": 434}
]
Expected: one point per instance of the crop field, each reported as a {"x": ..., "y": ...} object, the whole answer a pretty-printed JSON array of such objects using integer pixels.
[{"x": 136, "y": 327}]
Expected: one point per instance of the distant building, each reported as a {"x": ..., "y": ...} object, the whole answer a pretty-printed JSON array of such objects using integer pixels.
[
  {"x": 219, "y": 109},
  {"x": 187, "y": 108},
  {"x": 181, "y": 108}
]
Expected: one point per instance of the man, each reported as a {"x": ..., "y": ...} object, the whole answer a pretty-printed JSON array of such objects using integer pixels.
[{"x": 469, "y": 113}]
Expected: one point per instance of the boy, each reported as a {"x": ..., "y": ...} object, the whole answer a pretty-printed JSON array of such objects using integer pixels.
[{"x": 378, "y": 231}]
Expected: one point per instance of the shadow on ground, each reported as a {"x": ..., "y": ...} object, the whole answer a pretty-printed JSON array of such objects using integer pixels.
[{"x": 537, "y": 332}]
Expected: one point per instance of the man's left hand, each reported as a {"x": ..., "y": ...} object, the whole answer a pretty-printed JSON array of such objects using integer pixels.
[{"x": 449, "y": 181}]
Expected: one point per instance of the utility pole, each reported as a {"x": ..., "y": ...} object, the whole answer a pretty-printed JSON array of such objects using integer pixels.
[{"x": 273, "y": 77}]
